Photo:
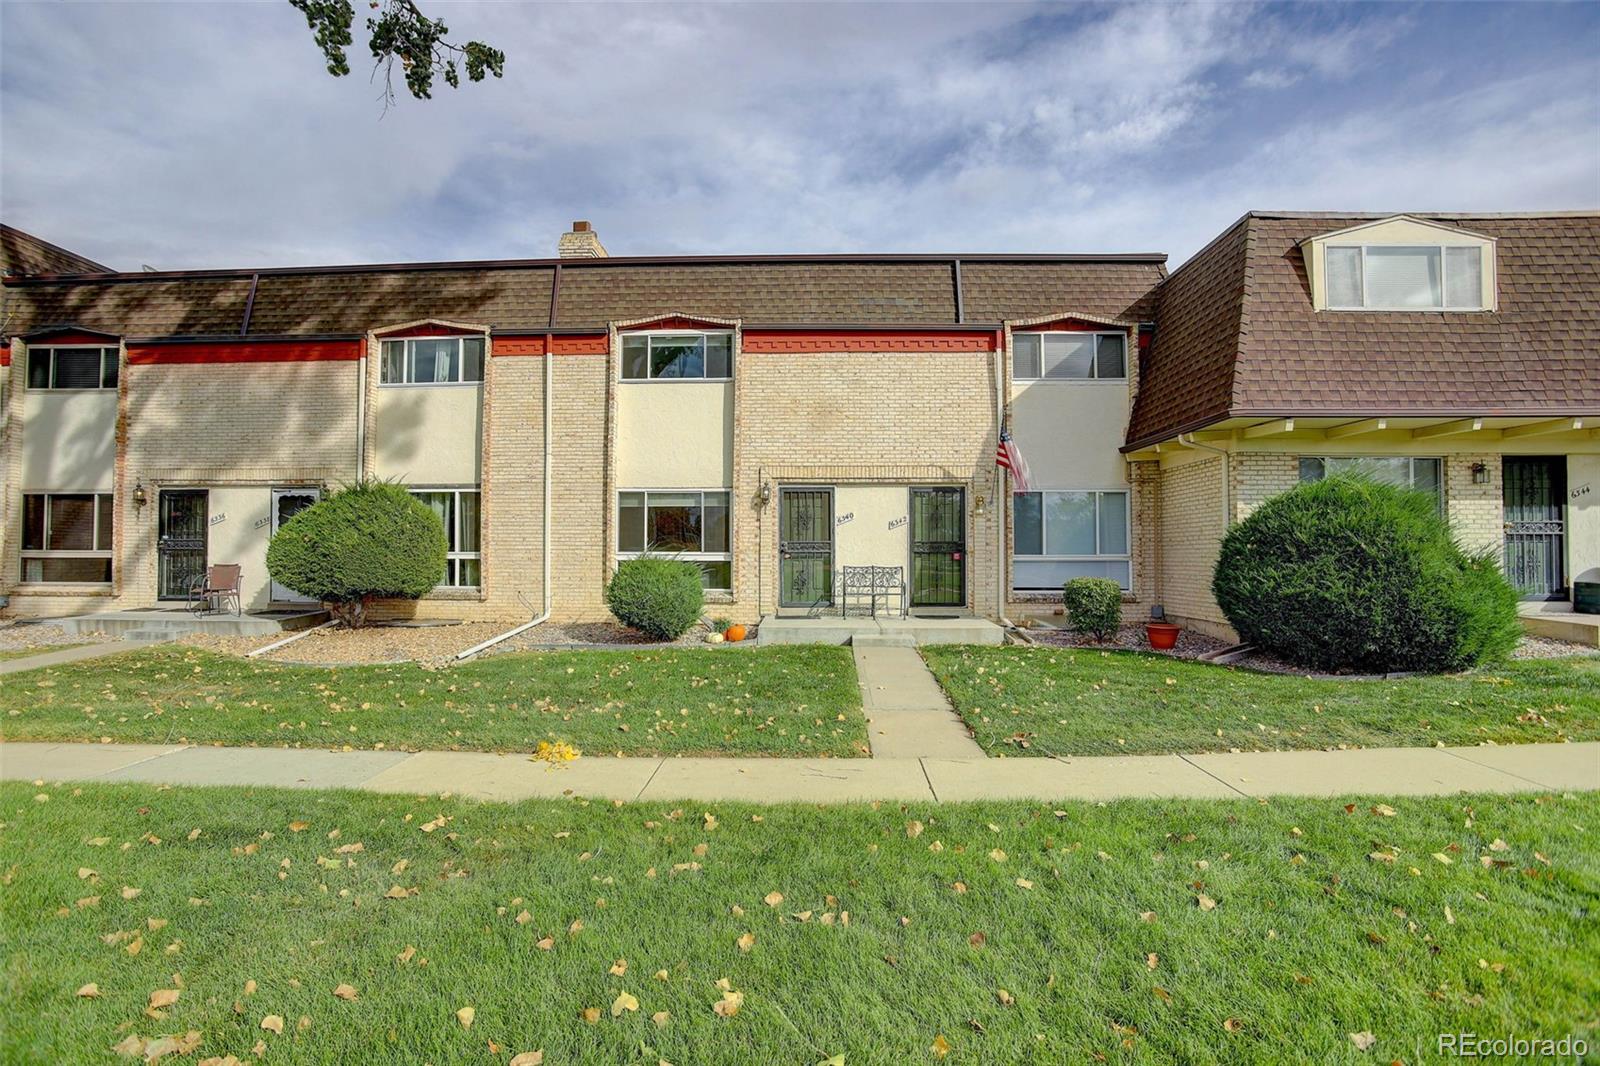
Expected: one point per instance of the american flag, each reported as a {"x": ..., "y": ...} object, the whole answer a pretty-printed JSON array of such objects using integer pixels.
[{"x": 1009, "y": 456}]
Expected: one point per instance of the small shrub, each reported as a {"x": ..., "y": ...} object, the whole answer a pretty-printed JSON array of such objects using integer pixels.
[
  {"x": 373, "y": 540},
  {"x": 1094, "y": 605},
  {"x": 658, "y": 597},
  {"x": 1351, "y": 574}
]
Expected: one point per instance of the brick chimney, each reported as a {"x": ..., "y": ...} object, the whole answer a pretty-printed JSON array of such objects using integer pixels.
[{"x": 581, "y": 243}]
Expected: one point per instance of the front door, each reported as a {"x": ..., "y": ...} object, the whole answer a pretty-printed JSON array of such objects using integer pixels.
[
  {"x": 1535, "y": 531},
  {"x": 286, "y": 503},
  {"x": 180, "y": 542},
  {"x": 938, "y": 548},
  {"x": 805, "y": 547}
]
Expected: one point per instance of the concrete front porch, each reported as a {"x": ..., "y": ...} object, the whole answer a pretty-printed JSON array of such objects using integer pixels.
[
  {"x": 164, "y": 623},
  {"x": 1557, "y": 620},
  {"x": 878, "y": 632}
]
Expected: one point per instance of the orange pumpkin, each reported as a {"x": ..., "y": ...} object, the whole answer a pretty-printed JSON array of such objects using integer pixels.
[{"x": 734, "y": 633}]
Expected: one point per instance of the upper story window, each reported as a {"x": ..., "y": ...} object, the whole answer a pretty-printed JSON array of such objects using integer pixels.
[
  {"x": 1069, "y": 356},
  {"x": 72, "y": 368},
  {"x": 1405, "y": 277},
  {"x": 677, "y": 356},
  {"x": 432, "y": 361}
]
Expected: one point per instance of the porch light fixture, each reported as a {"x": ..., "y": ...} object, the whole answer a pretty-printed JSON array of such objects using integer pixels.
[
  {"x": 765, "y": 495},
  {"x": 1480, "y": 474},
  {"x": 140, "y": 498},
  {"x": 979, "y": 506}
]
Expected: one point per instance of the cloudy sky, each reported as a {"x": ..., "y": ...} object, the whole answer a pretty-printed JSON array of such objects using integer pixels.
[{"x": 208, "y": 134}]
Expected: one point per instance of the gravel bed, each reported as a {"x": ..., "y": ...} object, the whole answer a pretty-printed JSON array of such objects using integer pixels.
[
  {"x": 18, "y": 636},
  {"x": 592, "y": 634},
  {"x": 1545, "y": 648}
]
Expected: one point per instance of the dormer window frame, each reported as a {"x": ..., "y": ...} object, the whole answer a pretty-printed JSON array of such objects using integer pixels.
[
  {"x": 1445, "y": 304},
  {"x": 1421, "y": 234}
]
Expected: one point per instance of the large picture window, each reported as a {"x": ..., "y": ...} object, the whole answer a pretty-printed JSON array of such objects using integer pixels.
[
  {"x": 1059, "y": 535},
  {"x": 1423, "y": 475},
  {"x": 72, "y": 368},
  {"x": 459, "y": 510},
  {"x": 1425, "y": 277},
  {"x": 677, "y": 356},
  {"x": 432, "y": 361},
  {"x": 1069, "y": 357},
  {"x": 67, "y": 536},
  {"x": 690, "y": 525}
]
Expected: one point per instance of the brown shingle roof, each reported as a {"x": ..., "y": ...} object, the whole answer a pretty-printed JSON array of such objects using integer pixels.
[
  {"x": 1237, "y": 334},
  {"x": 765, "y": 290},
  {"x": 23, "y": 253}
]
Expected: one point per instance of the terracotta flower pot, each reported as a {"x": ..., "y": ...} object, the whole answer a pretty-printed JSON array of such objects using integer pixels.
[{"x": 1163, "y": 636}]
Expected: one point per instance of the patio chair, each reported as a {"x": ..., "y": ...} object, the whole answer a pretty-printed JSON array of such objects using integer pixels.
[{"x": 221, "y": 584}]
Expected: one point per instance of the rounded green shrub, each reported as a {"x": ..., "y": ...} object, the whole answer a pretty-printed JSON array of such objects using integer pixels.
[
  {"x": 370, "y": 541},
  {"x": 1349, "y": 574},
  {"x": 659, "y": 597},
  {"x": 1093, "y": 605}
]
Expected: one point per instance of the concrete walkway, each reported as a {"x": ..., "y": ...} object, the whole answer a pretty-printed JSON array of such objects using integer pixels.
[
  {"x": 1385, "y": 771},
  {"x": 908, "y": 714},
  {"x": 71, "y": 655}
]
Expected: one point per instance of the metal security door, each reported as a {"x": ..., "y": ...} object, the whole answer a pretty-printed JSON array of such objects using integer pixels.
[
  {"x": 938, "y": 548},
  {"x": 805, "y": 547},
  {"x": 286, "y": 503},
  {"x": 1534, "y": 527},
  {"x": 180, "y": 542}
]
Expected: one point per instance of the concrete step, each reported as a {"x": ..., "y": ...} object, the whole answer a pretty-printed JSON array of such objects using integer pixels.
[
  {"x": 883, "y": 640},
  {"x": 166, "y": 624}
]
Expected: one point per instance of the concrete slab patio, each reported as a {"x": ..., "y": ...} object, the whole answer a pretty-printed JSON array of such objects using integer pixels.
[{"x": 1386, "y": 771}]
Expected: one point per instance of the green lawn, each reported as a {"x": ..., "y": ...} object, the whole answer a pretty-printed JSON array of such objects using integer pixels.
[
  {"x": 771, "y": 701},
  {"x": 1075, "y": 701},
  {"x": 256, "y": 902}
]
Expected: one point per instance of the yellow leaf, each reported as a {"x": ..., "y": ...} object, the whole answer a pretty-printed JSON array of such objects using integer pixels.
[
  {"x": 746, "y": 942},
  {"x": 661, "y": 1018},
  {"x": 546, "y": 943},
  {"x": 528, "y": 1058},
  {"x": 623, "y": 1002},
  {"x": 1162, "y": 994},
  {"x": 163, "y": 997},
  {"x": 130, "y": 893},
  {"x": 250, "y": 988},
  {"x": 299, "y": 827},
  {"x": 397, "y": 892},
  {"x": 405, "y": 956},
  {"x": 1442, "y": 857},
  {"x": 1206, "y": 902},
  {"x": 346, "y": 992},
  {"x": 772, "y": 899},
  {"x": 89, "y": 991},
  {"x": 997, "y": 855},
  {"x": 1152, "y": 960},
  {"x": 1384, "y": 810},
  {"x": 661, "y": 975},
  {"x": 710, "y": 821},
  {"x": 618, "y": 968},
  {"x": 1362, "y": 1040},
  {"x": 273, "y": 1023},
  {"x": 913, "y": 829},
  {"x": 1006, "y": 998},
  {"x": 1232, "y": 1025},
  {"x": 576, "y": 927},
  {"x": 590, "y": 1014},
  {"x": 1147, "y": 916},
  {"x": 940, "y": 1046},
  {"x": 1023, "y": 882},
  {"x": 729, "y": 1004},
  {"x": 523, "y": 918},
  {"x": 465, "y": 1016}
]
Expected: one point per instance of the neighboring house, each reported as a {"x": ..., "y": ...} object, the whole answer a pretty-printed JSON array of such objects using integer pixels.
[{"x": 774, "y": 418}]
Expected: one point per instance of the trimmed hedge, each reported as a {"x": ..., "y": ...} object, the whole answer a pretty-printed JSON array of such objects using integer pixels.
[
  {"x": 1348, "y": 574},
  {"x": 1093, "y": 605},
  {"x": 370, "y": 541},
  {"x": 659, "y": 597}
]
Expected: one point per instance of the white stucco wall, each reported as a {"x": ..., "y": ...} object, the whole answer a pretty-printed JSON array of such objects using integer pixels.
[
  {"x": 240, "y": 526},
  {"x": 1583, "y": 516},
  {"x": 1070, "y": 432},
  {"x": 674, "y": 434},
  {"x": 429, "y": 434},
  {"x": 872, "y": 525},
  {"x": 69, "y": 440}
]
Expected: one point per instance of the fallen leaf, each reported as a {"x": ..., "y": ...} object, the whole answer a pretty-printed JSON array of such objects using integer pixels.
[
  {"x": 913, "y": 829},
  {"x": 397, "y": 892},
  {"x": 273, "y": 1023},
  {"x": 661, "y": 1018},
  {"x": 618, "y": 968},
  {"x": 1442, "y": 857},
  {"x": 1152, "y": 960},
  {"x": 250, "y": 987},
  {"x": 1384, "y": 810},
  {"x": 89, "y": 991},
  {"x": 465, "y": 1016},
  {"x": 405, "y": 956},
  {"x": 746, "y": 942},
  {"x": 940, "y": 1046},
  {"x": 1162, "y": 994},
  {"x": 1147, "y": 916},
  {"x": 772, "y": 899},
  {"x": 1006, "y": 998},
  {"x": 1206, "y": 902},
  {"x": 546, "y": 943},
  {"x": 528, "y": 1058},
  {"x": 623, "y": 1002},
  {"x": 130, "y": 893},
  {"x": 163, "y": 997},
  {"x": 977, "y": 940},
  {"x": 1499, "y": 845},
  {"x": 590, "y": 1014},
  {"x": 1023, "y": 882},
  {"x": 729, "y": 1004},
  {"x": 997, "y": 855},
  {"x": 1362, "y": 1040},
  {"x": 1232, "y": 1025},
  {"x": 299, "y": 827},
  {"x": 346, "y": 992}
]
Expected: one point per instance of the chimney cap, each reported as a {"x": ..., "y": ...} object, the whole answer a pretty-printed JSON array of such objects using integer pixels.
[{"x": 580, "y": 227}]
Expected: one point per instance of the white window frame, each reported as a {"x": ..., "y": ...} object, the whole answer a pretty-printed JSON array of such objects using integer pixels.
[
  {"x": 107, "y": 554},
  {"x": 1411, "y": 468},
  {"x": 1044, "y": 536},
  {"x": 107, "y": 351},
  {"x": 686, "y": 556},
  {"x": 650, "y": 337},
  {"x": 455, "y": 510},
  {"x": 1485, "y": 257},
  {"x": 409, "y": 362},
  {"x": 1094, "y": 377}
]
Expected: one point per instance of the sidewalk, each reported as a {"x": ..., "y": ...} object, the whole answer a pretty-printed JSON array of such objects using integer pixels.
[
  {"x": 1386, "y": 771},
  {"x": 61, "y": 656}
]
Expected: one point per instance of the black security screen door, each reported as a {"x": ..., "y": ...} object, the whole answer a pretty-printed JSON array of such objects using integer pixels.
[
  {"x": 938, "y": 548},
  {"x": 1535, "y": 532},
  {"x": 181, "y": 542},
  {"x": 805, "y": 547}
]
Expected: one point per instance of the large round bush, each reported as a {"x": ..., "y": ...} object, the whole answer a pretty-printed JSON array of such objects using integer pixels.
[
  {"x": 1351, "y": 574},
  {"x": 660, "y": 597},
  {"x": 369, "y": 541}
]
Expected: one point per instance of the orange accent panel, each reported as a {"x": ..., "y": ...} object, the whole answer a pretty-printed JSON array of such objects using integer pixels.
[
  {"x": 66, "y": 336},
  {"x": 426, "y": 330},
  {"x": 245, "y": 352},
  {"x": 562, "y": 343},
  {"x": 1071, "y": 325},
  {"x": 673, "y": 322}
]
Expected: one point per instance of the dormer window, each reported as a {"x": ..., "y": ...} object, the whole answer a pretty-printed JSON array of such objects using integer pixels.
[{"x": 1403, "y": 277}]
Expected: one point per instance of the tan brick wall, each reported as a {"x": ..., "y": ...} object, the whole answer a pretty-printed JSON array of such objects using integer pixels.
[
  {"x": 1190, "y": 535},
  {"x": 1476, "y": 512},
  {"x": 1256, "y": 477},
  {"x": 843, "y": 418}
]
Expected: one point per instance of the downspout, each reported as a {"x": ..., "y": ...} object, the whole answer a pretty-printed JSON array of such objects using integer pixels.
[
  {"x": 1227, "y": 479},
  {"x": 544, "y": 615},
  {"x": 361, "y": 414},
  {"x": 999, "y": 478}
]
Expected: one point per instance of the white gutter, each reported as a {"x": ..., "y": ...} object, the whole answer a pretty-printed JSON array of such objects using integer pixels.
[
  {"x": 544, "y": 615},
  {"x": 1227, "y": 480}
]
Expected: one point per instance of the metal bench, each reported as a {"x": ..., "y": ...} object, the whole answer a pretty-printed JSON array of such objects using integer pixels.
[{"x": 869, "y": 584}]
